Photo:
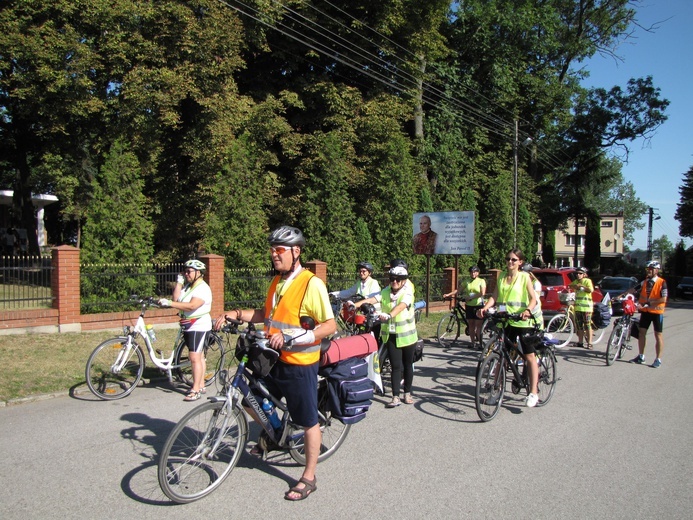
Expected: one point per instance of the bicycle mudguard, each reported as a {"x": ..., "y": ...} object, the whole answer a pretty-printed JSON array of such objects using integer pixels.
[{"x": 351, "y": 346}]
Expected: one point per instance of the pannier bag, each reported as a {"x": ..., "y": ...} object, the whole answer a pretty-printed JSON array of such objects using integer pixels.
[
  {"x": 349, "y": 389},
  {"x": 260, "y": 361},
  {"x": 601, "y": 315},
  {"x": 418, "y": 351},
  {"x": 340, "y": 349}
]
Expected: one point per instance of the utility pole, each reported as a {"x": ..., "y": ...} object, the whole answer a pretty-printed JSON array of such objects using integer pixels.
[
  {"x": 515, "y": 145},
  {"x": 651, "y": 211}
]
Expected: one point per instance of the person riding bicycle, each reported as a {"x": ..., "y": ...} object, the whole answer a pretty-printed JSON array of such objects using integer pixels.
[
  {"x": 193, "y": 298},
  {"x": 536, "y": 311},
  {"x": 514, "y": 294},
  {"x": 474, "y": 290},
  {"x": 398, "y": 331},
  {"x": 294, "y": 292},
  {"x": 652, "y": 298},
  {"x": 366, "y": 287},
  {"x": 583, "y": 289}
]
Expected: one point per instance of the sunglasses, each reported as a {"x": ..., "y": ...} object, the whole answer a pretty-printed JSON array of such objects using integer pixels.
[
  {"x": 395, "y": 279},
  {"x": 188, "y": 271},
  {"x": 513, "y": 260},
  {"x": 279, "y": 250}
]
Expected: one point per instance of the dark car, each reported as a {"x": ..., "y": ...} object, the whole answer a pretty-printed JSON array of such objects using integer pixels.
[
  {"x": 614, "y": 286},
  {"x": 685, "y": 287},
  {"x": 553, "y": 283}
]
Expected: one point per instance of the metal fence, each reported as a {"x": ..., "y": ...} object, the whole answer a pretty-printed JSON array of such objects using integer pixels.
[
  {"x": 25, "y": 282},
  {"x": 108, "y": 287},
  {"x": 338, "y": 281},
  {"x": 246, "y": 288}
]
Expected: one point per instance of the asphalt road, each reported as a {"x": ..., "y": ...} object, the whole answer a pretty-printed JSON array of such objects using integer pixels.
[{"x": 615, "y": 442}]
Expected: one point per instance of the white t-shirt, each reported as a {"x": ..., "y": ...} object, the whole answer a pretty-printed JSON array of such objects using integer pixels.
[{"x": 204, "y": 319}]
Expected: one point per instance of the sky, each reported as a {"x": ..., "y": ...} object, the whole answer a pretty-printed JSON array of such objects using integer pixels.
[{"x": 656, "y": 169}]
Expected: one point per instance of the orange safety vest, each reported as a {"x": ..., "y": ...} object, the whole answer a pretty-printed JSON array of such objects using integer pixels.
[
  {"x": 655, "y": 294},
  {"x": 285, "y": 315}
]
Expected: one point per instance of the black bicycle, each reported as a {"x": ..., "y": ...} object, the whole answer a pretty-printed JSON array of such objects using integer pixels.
[
  {"x": 452, "y": 324},
  {"x": 205, "y": 445},
  {"x": 502, "y": 355}
]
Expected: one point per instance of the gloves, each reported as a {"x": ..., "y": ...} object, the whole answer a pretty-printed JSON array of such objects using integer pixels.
[
  {"x": 384, "y": 316},
  {"x": 180, "y": 279},
  {"x": 334, "y": 294},
  {"x": 163, "y": 302}
]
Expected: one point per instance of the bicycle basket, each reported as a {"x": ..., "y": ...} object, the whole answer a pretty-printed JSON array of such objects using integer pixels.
[
  {"x": 566, "y": 297},
  {"x": 260, "y": 361},
  {"x": 628, "y": 307}
]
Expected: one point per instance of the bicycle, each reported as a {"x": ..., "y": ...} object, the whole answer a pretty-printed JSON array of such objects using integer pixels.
[
  {"x": 619, "y": 340},
  {"x": 563, "y": 325},
  {"x": 115, "y": 367},
  {"x": 206, "y": 444},
  {"x": 449, "y": 326},
  {"x": 503, "y": 355}
]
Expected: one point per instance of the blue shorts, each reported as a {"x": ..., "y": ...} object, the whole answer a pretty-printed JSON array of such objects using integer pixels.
[
  {"x": 299, "y": 385},
  {"x": 657, "y": 321}
]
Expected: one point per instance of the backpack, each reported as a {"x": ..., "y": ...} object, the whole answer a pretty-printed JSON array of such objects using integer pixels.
[
  {"x": 601, "y": 315},
  {"x": 349, "y": 389}
]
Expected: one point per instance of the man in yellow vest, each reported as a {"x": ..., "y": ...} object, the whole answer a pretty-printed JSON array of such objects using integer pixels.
[
  {"x": 294, "y": 292},
  {"x": 652, "y": 298}
]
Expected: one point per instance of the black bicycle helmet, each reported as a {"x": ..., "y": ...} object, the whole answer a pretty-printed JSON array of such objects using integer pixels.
[
  {"x": 287, "y": 236},
  {"x": 474, "y": 268},
  {"x": 365, "y": 265},
  {"x": 581, "y": 269},
  {"x": 398, "y": 262}
]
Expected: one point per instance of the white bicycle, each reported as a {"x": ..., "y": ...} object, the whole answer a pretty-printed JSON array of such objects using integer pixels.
[
  {"x": 563, "y": 325},
  {"x": 115, "y": 367}
]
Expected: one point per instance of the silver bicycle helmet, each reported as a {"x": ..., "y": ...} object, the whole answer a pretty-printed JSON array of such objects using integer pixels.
[
  {"x": 365, "y": 265},
  {"x": 653, "y": 264},
  {"x": 581, "y": 270},
  {"x": 287, "y": 236},
  {"x": 196, "y": 264}
]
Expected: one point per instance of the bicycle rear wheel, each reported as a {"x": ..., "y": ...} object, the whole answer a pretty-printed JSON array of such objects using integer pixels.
[
  {"x": 561, "y": 328},
  {"x": 215, "y": 355},
  {"x": 597, "y": 333},
  {"x": 613, "y": 346},
  {"x": 490, "y": 387},
  {"x": 546, "y": 384},
  {"x": 333, "y": 430},
  {"x": 201, "y": 451},
  {"x": 104, "y": 379},
  {"x": 448, "y": 330}
]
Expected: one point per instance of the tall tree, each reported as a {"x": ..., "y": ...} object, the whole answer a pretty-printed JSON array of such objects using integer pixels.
[{"x": 684, "y": 209}]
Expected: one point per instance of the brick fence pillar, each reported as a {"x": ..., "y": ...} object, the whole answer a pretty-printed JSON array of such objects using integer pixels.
[
  {"x": 215, "y": 279},
  {"x": 493, "y": 275},
  {"x": 65, "y": 287},
  {"x": 318, "y": 268}
]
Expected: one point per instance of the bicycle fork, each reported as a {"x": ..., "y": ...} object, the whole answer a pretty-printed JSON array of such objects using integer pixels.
[{"x": 123, "y": 355}]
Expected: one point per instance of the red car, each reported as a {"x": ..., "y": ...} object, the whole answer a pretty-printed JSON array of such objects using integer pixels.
[{"x": 555, "y": 281}]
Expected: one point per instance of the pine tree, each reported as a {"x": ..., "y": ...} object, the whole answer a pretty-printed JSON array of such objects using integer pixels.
[{"x": 684, "y": 209}]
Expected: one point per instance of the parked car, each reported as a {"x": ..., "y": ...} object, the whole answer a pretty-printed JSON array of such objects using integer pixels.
[
  {"x": 614, "y": 286},
  {"x": 685, "y": 287},
  {"x": 553, "y": 283}
]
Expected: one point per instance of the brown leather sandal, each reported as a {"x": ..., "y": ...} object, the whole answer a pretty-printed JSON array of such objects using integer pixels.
[{"x": 308, "y": 487}]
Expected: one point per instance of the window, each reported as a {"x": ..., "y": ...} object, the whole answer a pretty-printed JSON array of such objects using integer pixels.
[
  {"x": 607, "y": 223},
  {"x": 570, "y": 240}
]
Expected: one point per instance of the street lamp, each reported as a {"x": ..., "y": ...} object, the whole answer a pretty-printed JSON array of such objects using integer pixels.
[{"x": 526, "y": 142}]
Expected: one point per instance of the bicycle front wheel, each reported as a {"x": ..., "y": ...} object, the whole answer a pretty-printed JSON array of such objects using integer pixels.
[
  {"x": 561, "y": 328},
  {"x": 490, "y": 387},
  {"x": 201, "y": 451},
  {"x": 546, "y": 384},
  {"x": 333, "y": 431},
  {"x": 597, "y": 333},
  {"x": 448, "y": 330},
  {"x": 613, "y": 346},
  {"x": 114, "y": 369},
  {"x": 214, "y": 358}
]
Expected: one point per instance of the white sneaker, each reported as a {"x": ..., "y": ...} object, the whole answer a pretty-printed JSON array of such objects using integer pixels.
[{"x": 531, "y": 400}]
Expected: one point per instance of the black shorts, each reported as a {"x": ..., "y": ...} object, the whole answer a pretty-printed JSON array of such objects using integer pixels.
[
  {"x": 471, "y": 312},
  {"x": 525, "y": 347},
  {"x": 195, "y": 340},
  {"x": 299, "y": 385},
  {"x": 657, "y": 321}
]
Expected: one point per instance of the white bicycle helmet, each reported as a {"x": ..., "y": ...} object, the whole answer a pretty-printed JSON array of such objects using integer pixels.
[
  {"x": 287, "y": 236},
  {"x": 399, "y": 272},
  {"x": 196, "y": 264},
  {"x": 653, "y": 264}
]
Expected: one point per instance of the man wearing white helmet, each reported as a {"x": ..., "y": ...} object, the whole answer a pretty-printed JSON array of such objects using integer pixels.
[
  {"x": 652, "y": 298},
  {"x": 398, "y": 331},
  {"x": 193, "y": 298},
  {"x": 294, "y": 292}
]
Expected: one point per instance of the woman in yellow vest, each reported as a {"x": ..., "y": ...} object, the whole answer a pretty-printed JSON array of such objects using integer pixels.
[
  {"x": 294, "y": 292},
  {"x": 515, "y": 294},
  {"x": 398, "y": 331},
  {"x": 583, "y": 289}
]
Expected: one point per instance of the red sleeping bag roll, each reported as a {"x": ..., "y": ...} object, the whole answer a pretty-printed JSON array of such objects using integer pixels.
[{"x": 352, "y": 346}]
